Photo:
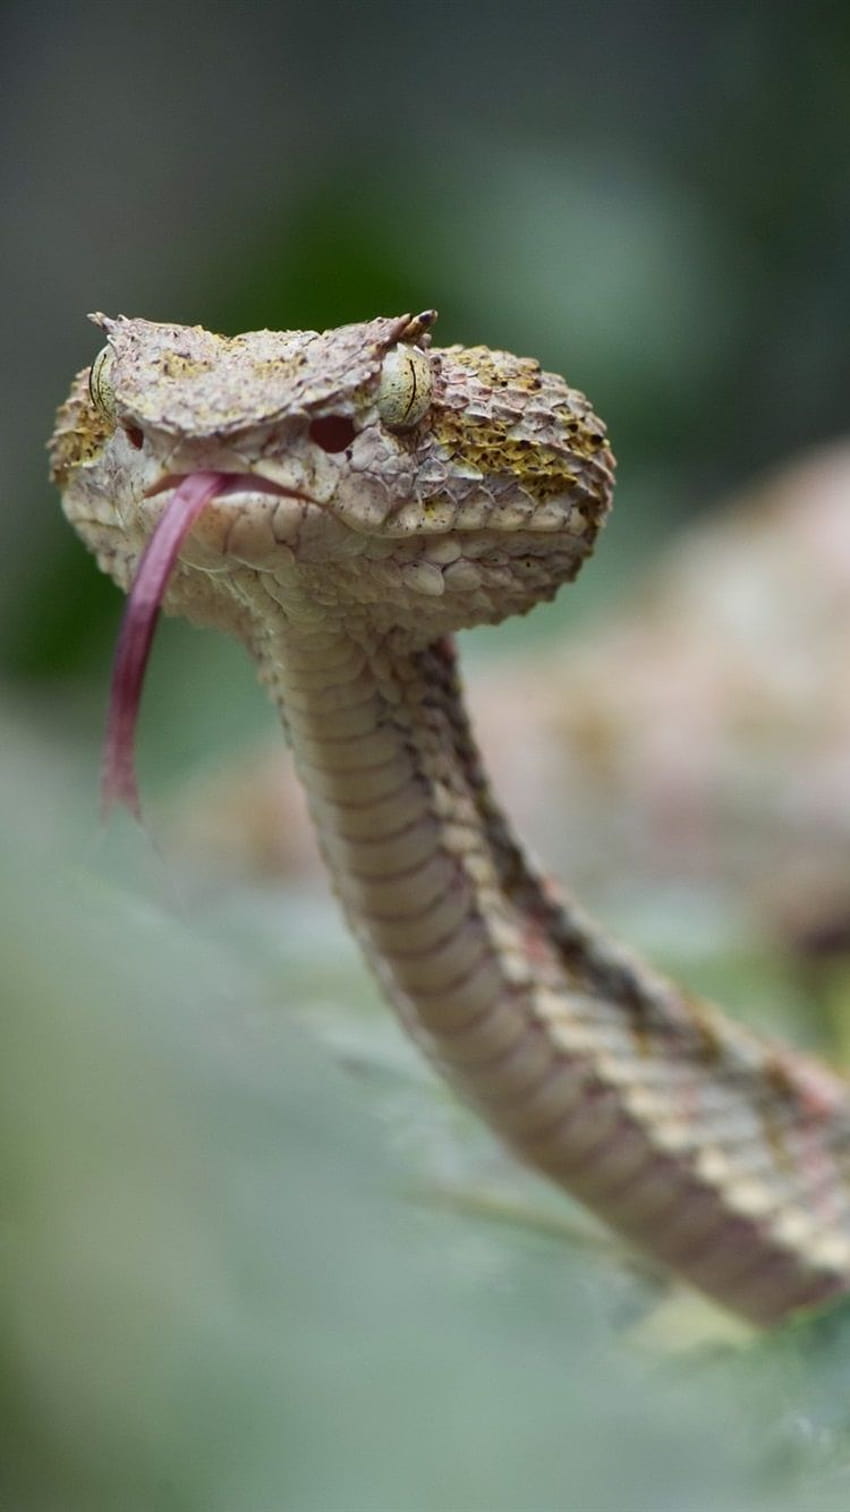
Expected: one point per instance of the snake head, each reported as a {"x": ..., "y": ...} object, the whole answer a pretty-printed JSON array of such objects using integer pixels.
[
  {"x": 297, "y": 482},
  {"x": 366, "y": 472}
]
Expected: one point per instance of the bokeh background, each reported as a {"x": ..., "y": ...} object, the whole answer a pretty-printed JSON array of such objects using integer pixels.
[{"x": 216, "y": 1294}]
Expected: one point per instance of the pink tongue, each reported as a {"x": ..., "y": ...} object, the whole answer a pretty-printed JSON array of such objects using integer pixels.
[{"x": 118, "y": 779}]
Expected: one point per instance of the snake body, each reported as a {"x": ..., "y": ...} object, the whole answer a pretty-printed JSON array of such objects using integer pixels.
[{"x": 377, "y": 494}]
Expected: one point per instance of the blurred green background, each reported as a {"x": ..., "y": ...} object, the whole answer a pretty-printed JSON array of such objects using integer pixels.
[
  {"x": 217, "y": 1294},
  {"x": 653, "y": 199}
]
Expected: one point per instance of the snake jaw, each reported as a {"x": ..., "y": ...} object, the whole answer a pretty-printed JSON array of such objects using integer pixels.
[{"x": 191, "y": 496}]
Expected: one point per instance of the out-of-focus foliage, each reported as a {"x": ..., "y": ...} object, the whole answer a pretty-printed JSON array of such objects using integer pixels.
[{"x": 224, "y": 1284}]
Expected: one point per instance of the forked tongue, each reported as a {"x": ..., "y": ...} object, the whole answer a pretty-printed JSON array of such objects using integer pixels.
[{"x": 118, "y": 777}]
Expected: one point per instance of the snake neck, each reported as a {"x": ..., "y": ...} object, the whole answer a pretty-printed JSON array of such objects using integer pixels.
[
  {"x": 722, "y": 1157},
  {"x": 379, "y": 737}
]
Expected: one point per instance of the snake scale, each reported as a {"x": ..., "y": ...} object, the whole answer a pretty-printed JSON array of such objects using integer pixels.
[{"x": 342, "y": 502}]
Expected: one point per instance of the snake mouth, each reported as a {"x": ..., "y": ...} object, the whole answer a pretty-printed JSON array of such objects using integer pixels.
[{"x": 231, "y": 483}]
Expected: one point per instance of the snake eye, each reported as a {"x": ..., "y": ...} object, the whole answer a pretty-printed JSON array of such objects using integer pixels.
[
  {"x": 405, "y": 389},
  {"x": 101, "y": 392}
]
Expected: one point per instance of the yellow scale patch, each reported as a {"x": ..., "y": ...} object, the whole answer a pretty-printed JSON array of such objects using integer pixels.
[
  {"x": 495, "y": 445},
  {"x": 81, "y": 432}
]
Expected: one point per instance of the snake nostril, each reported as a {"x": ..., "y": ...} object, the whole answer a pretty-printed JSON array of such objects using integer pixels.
[
  {"x": 333, "y": 433},
  {"x": 135, "y": 436}
]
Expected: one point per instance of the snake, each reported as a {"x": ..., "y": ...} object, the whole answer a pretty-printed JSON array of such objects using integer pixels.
[{"x": 343, "y": 502}]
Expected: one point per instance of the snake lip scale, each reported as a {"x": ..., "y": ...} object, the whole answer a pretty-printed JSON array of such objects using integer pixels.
[{"x": 343, "y": 502}]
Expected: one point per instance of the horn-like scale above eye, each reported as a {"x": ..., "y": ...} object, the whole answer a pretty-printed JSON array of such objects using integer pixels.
[
  {"x": 407, "y": 383},
  {"x": 101, "y": 391}
]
